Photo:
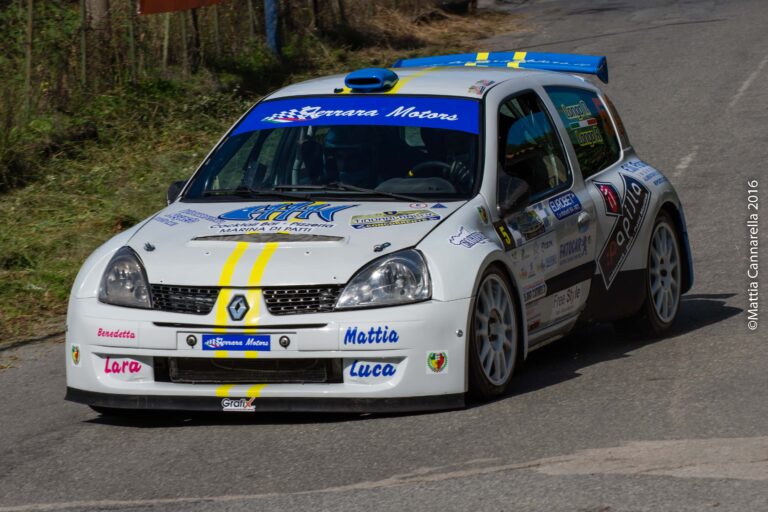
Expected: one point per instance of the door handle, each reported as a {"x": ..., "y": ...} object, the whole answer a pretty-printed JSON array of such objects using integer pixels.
[{"x": 583, "y": 219}]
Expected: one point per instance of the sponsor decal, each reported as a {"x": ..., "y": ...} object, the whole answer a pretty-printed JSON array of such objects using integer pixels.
[
  {"x": 255, "y": 342},
  {"x": 574, "y": 249},
  {"x": 121, "y": 366},
  {"x": 270, "y": 227},
  {"x": 437, "y": 362},
  {"x": 184, "y": 217},
  {"x": 610, "y": 197},
  {"x": 378, "y": 335},
  {"x": 534, "y": 291},
  {"x": 287, "y": 211},
  {"x": 548, "y": 247},
  {"x": 468, "y": 239},
  {"x": 565, "y": 205},
  {"x": 238, "y": 404},
  {"x": 566, "y": 301},
  {"x": 452, "y": 113},
  {"x": 576, "y": 111},
  {"x": 201, "y": 216},
  {"x": 438, "y": 205},
  {"x": 530, "y": 224},
  {"x": 116, "y": 334},
  {"x": 504, "y": 235},
  {"x": 589, "y": 136},
  {"x": 367, "y": 370},
  {"x": 480, "y": 86},
  {"x": 76, "y": 355},
  {"x": 392, "y": 218},
  {"x": 634, "y": 166},
  {"x": 644, "y": 171},
  {"x": 483, "y": 213},
  {"x": 624, "y": 232},
  {"x": 533, "y": 315},
  {"x": 418, "y": 206}
]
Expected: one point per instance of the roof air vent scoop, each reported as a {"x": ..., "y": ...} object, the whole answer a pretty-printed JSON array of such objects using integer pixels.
[{"x": 371, "y": 80}]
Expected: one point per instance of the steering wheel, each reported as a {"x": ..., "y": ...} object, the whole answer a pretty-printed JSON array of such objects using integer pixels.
[{"x": 431, "y": 163}]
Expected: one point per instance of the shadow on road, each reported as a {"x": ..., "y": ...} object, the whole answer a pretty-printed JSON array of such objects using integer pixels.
[
  {"x": 548, "y": 366},
  {"x": 564, "y": 359}
]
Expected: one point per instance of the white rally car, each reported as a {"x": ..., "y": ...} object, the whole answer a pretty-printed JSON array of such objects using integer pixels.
[{"x": 391, "y": 239}]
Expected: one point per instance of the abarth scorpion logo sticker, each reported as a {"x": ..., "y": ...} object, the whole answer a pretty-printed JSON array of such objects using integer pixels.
[
  {"x": 624, "y": 232},
  {"x": 238, "y": 307}
]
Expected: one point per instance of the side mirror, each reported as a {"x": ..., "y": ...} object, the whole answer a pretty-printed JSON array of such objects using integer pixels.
[
  {"x": 174, "y": 190},
  {"x": 514, "y": 195}
]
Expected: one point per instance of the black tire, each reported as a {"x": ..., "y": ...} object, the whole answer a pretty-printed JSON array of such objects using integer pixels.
[
  {"x": 480, "y": 385},
  {"x": 648, "y": 322}
]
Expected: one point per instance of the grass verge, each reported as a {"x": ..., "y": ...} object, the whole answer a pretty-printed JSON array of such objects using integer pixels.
[{"x": 155, "y": 133}]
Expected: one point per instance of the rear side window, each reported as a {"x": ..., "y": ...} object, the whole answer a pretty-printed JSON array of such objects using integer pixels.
[{"x": 589, "y": 127}]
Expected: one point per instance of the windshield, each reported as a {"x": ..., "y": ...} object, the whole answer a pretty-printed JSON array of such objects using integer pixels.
[{"x": 392, "y": 147}]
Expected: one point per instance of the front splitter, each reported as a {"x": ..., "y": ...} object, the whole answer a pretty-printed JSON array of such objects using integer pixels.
[{"x": 272, "y": 404}]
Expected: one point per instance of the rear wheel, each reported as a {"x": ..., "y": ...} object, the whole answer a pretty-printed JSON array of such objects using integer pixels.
[
  {"x": 663, "y": 281},
  {"x": 494, "y": 335}
]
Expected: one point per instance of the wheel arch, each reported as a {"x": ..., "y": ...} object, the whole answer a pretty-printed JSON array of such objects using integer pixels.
[
  {"x": 679, "y": 219},
  {"x": 495, "y": 260}
]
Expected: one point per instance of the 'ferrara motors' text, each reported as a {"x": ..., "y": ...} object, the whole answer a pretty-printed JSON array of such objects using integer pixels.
[{"x": 753, "y": 269}]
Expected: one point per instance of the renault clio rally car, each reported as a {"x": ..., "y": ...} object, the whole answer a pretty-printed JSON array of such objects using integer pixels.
[{"x": 391, "y": 239}]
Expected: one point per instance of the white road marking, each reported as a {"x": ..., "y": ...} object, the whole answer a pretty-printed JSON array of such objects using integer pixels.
[
  {"x": 741, "y": 458},
  {"x": 685, "y": 162},
  {"x": 748, "y": 82}
]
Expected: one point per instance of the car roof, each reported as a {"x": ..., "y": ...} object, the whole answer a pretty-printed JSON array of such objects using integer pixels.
[{"x": 441, "y": 81}]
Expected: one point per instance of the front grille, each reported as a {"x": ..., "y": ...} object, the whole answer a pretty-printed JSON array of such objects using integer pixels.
[
  {"x": 296, "y": 300},
  {"x": 198, "y": 300},
  {"x": 195, "y": 370}
]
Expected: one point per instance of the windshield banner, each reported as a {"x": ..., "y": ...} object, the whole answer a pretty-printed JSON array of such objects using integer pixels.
[{"x": 445, "y": 113}]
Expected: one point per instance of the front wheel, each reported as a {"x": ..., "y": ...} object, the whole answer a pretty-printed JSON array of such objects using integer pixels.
[
  {"x": 663, "y": 282},
  {"x": 493, "y": 337}
]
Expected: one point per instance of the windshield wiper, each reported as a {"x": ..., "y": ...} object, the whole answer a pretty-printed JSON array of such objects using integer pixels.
[
  {"x": 336, "y": 186},
  {"x": 253, "y": 192}
]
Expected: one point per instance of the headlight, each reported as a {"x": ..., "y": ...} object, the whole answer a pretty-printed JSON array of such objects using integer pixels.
[
  {"x": 124, "y": 282},
  {"x": 398, "y": 278}
]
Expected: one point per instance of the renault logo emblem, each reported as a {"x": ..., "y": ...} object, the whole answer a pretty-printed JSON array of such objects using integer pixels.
[{"x": 238, "y": 307}]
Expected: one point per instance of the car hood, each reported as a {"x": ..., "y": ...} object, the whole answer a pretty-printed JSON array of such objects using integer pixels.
[{"x": 266, "y": 244}]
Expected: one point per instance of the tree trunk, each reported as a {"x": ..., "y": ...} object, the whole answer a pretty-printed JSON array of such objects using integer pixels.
[
  {"x": 98, "y": 14},
  {"x": 197, "y": 52},
  {"x": 184, "y": 43},
  {"x": 216, "y": 31},
  {"x": 251, "y": 20},
  {"x": 166, "y": 39},
  {"x": 314, "y": 15},
  {"x": 83, "y": 45},
  {"x": 28, "y": 60},
  {"x": 342, "y": 12}
]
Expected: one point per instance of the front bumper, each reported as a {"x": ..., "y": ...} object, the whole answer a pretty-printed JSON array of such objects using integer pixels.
[
  {"x": 209, "y": 404},
  {"x": 121, "y": 352}
]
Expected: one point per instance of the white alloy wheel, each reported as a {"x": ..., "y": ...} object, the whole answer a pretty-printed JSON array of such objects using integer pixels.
[
  {"x": 495, "y": 330},
  {"x": 664, "y": 272}
]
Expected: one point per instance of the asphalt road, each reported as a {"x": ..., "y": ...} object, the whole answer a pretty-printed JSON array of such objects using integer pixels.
[{"x": 596, "y": 422}]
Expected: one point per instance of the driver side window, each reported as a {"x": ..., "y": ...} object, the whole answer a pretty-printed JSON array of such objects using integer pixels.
[{"x": 529, "y": 148}]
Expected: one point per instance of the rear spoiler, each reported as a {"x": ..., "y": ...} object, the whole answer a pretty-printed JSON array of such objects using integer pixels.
[{"x": 567, "y": 62}]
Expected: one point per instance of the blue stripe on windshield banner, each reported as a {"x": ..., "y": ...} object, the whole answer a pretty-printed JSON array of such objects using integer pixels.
[{"x": 446, "y": 113}]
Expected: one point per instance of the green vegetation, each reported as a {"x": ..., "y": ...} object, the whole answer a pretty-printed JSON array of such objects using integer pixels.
[{"x": 86, "y": 161}]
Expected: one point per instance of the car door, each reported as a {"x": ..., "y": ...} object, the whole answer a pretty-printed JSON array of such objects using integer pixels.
[
  {"x": 553, "y": 237},
  {"x": 595, "y": 141}
]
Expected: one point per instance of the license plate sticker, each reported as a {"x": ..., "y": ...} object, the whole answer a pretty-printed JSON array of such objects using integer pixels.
[{"x": 244, "y": 342}]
